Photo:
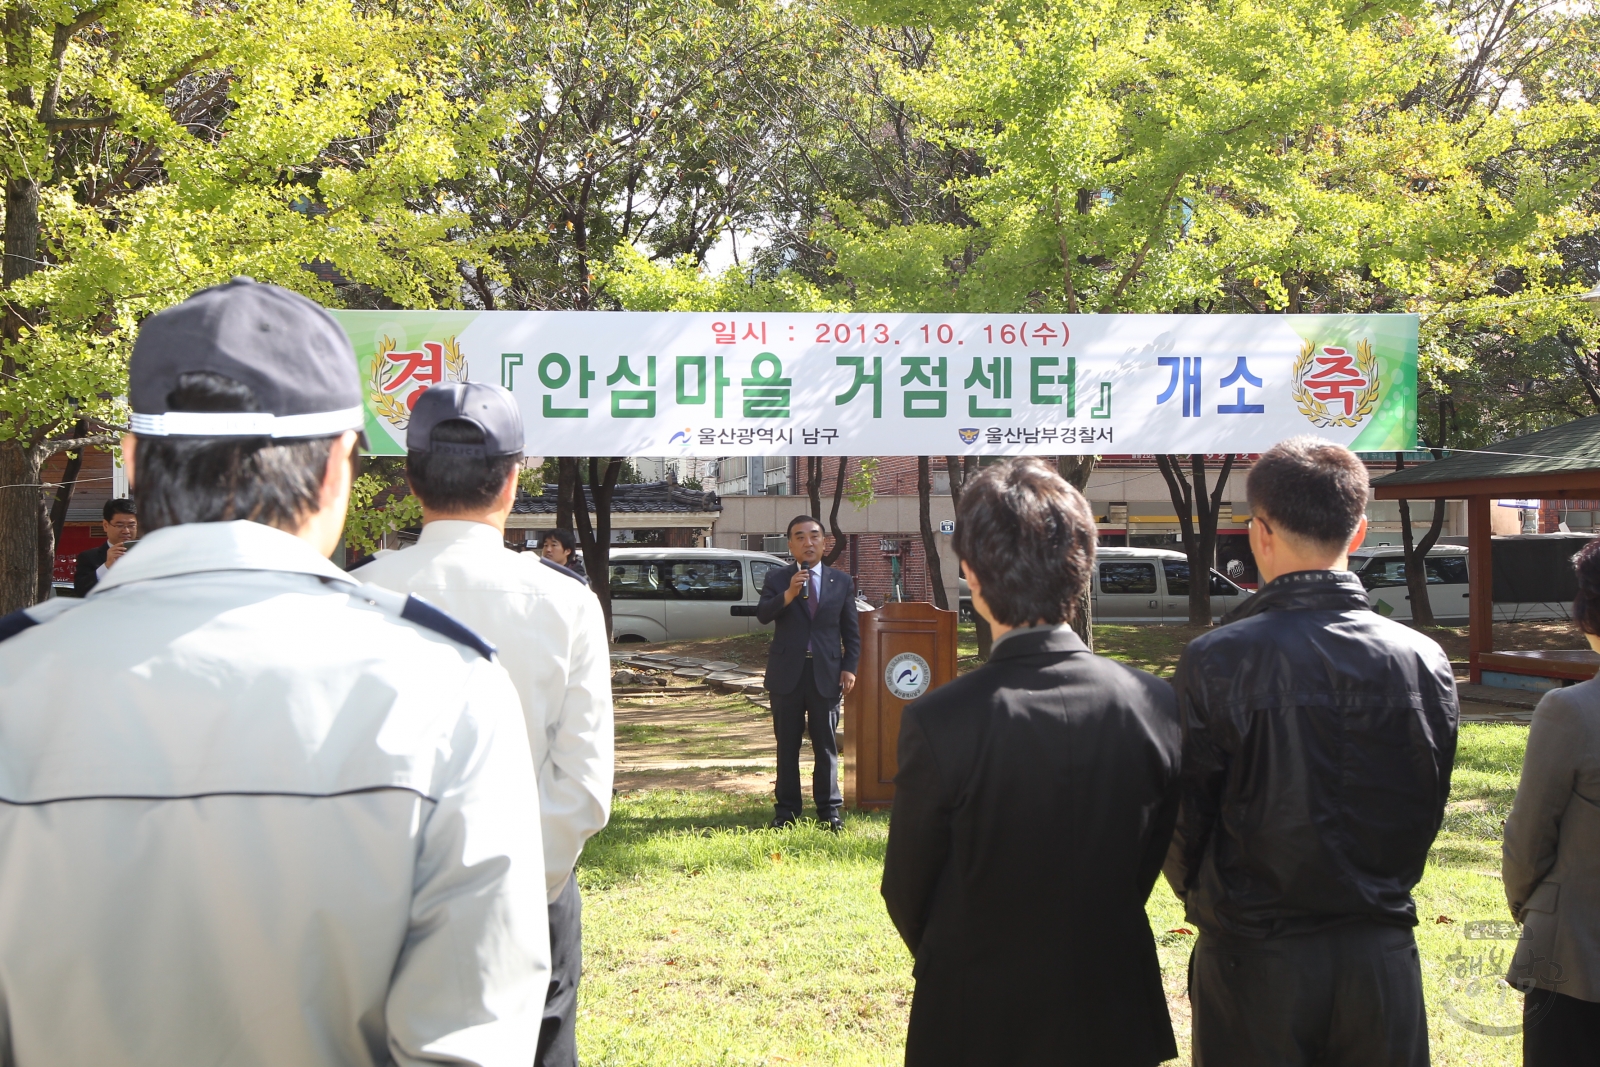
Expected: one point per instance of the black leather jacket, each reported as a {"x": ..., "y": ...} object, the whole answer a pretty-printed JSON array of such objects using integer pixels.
[{"x": 1318, "y": 738}]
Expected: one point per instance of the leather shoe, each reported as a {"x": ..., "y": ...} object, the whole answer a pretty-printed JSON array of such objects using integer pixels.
[
  {"x": 782, "y": 822},
  {"x": 834, "y": 824}
]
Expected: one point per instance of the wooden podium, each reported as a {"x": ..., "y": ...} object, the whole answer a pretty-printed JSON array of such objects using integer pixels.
[{"x": 918, "y": 641}]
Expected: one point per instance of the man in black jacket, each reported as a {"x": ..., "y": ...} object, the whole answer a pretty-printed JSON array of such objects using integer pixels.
[
  {"x": 811, "y": 664},
  {"x": 1318, "y": 738},
  {"x": 1033, "y": 806},
  {"x": 122, "y": 527}
]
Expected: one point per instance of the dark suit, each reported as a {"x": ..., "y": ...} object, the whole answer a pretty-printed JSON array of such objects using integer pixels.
[
  {"x": 805, "y": 686},
  {"x": 1033, "y": 806},
  {"x": 83, "y": 578}
]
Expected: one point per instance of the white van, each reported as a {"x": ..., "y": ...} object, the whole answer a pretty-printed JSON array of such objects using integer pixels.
[
  {"x": 1151, "y": 585},
  {"x": 679, "y": 594},
  {"x": 1382, "y": 569}
]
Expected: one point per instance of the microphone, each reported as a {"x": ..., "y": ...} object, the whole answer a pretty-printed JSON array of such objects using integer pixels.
[{"x": 805, "y": 590}]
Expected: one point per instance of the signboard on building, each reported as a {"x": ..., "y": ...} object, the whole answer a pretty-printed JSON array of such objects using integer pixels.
[{"x": 693, "y": 384}]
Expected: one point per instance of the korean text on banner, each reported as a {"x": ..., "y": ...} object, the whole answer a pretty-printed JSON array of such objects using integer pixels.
[{"x": 693, "y": 384}]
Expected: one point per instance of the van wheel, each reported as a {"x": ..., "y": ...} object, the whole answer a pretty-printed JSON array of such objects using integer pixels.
[{"x": 630, "y": 639}]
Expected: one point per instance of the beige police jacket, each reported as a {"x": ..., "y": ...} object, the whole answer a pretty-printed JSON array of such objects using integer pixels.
[
  {"x": 250, "y": 815},
  {"x": 551, "y": 636}
]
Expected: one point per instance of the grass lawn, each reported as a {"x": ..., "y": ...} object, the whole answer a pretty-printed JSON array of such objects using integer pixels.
[{"x": 710, "y": 940}]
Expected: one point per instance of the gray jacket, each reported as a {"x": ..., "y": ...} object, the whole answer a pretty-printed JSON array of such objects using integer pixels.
[{"x": 1551, "y": 855}]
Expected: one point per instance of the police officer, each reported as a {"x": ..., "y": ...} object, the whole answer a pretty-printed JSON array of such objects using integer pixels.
[
  {"x": 279, "y": 816},
  {"x": 464, "y": 451}
]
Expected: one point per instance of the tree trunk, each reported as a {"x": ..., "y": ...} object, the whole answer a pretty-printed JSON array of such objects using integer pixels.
[
  {"x": 20, "y": 510},
  {"x": 1076, "y": 470},
  {"x": 55, "y": 519},
  {"x": 1416, "y": 556},
  {"x": 930, "y": 547},
  {"x": 1200, "y": 545},
  {"x": 960, "y": 470},
  {"x": 566, "y": 491},
  {"x": 596, "y": 537},
  {"x": 814, "y": 485},
  {"x": 839, "y": 536}
]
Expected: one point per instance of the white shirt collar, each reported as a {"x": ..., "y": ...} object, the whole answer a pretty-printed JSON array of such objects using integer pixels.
[
  {"x": 456, "y": 531},
  {"x": 197, "y": 547}
]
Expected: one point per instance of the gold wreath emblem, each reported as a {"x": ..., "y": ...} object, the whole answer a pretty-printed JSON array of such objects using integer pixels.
[
  {"x": 1318, "y": 412},
  {"x": 393, "y": 408}
]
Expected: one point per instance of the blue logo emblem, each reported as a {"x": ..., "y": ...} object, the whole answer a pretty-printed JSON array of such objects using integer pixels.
[
  {"x": 684, "y": 434},
  {"x": 969, "y": 434}
]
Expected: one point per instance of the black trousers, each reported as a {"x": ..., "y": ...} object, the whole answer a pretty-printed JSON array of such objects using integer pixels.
[
  {"x": 558, "y": 1045},
  {"x": 1559, "y": 1031},
  {"x": 1346, "y": 997},
  {"x": 792, "y": 713}
]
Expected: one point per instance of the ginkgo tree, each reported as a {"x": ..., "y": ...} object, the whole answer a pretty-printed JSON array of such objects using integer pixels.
[{"x": 153, "y": 148}]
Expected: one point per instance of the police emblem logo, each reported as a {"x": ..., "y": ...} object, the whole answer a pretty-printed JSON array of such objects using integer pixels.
[
  {"x": 969, "y": 434},
  {"x": 1334, "y": 387},
  {"x": 907, "y": 676},
  {"x": 399, "y": 378}
]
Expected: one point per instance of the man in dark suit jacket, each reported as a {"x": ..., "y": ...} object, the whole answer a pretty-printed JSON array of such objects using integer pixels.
[
  {"x": 810, "y": 666},
  {"x": 1033, "y": 806},
  {"x": 121, "y": 527}
]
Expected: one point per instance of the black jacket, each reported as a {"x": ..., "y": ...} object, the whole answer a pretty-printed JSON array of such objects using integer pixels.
[
  {"x": 89, "y": 561},
  {"x": 1033, "y": 805},
  {"x": 1318, "y": 738},
  {"x": 834, "y": 634}
]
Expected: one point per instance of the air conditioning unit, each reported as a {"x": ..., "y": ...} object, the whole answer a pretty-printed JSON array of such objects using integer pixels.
[{"x": 774, "y": 543}]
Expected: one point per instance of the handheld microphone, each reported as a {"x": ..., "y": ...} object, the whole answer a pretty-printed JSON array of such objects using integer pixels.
[{"x": 805, "y": 590}]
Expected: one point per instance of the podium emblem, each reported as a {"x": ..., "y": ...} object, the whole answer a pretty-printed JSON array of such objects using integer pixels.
[{"x": 907, "y": 676}]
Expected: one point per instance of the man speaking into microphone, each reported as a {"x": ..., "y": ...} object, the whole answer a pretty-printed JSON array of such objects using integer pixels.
[{"x": 815, "y": 649}]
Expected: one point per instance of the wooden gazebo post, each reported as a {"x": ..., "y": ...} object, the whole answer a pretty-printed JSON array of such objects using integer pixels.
[
  {"x": 1480, "y": 563},
  {"x": 1559, "y": 463}
]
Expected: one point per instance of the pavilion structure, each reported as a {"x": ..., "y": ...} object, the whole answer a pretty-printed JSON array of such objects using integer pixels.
[{"x": 1562, "y": 462}]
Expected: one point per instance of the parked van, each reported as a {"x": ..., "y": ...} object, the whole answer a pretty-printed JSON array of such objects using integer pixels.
[
  {"x": 678, "y": 594},
  {"x": 1151, "y": 585},
  {"x": 1382, "y": 569}
]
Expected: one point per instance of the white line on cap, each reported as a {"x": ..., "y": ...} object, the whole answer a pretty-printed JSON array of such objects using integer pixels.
[{"x": 246, "y": 423}]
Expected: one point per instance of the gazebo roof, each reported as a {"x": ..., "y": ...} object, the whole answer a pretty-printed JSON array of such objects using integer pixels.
[{"x": 1562, "y": 461}]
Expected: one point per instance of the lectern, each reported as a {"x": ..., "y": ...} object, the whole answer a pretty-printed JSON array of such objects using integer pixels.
[{"x": 906, "y": 649}]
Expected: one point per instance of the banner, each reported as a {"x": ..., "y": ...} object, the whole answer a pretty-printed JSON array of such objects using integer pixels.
[{"x": 692, "y": 384}]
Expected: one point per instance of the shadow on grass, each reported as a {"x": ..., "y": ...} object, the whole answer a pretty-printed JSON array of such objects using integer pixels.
[{"x": 667, "y": 833}]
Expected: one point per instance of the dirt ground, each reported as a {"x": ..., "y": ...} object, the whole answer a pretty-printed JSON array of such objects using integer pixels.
[{"x": 690, "y": 736}]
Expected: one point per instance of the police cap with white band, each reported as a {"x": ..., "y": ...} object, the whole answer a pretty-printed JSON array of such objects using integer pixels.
[
  {"x": 289, "y": 351},
  {"x": 488, "y": 407}
]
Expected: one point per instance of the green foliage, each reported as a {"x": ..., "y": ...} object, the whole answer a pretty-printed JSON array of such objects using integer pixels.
[
  {"x": 530, "y": 480},
  {"x": 639, "y": 283},
  {"x": 380, "y": 504},
  {"x": 186, "y": 145},
  {"x": 858, "y": 482}
]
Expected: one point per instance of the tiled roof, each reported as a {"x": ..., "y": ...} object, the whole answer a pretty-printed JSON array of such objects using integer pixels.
[
  {"x": 1569, "y": 448},
  {"x": 648, "y": 498}
]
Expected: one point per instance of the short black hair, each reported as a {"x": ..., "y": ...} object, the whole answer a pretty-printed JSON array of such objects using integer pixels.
[
  {"x": 447, "y": 482},
  {"x": 565, "y": 538},
  {"x": 1028, "y": 535},
  {"x": 120, "y": 505},
  {"x": 797, "y": 520},
  {"x": 179, "y": 480},
  {"x": 1312, "y": 488},
  {"x": 1586, "y": 608}
]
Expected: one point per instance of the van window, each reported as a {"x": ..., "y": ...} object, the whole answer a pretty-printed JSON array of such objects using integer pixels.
[
  {"x": 1177, "y": 571},
  {"x": 758, "y": 572},
  {"x": 1177, "y": 576},
  {"x": 636, "y": 579},
  {"x": 1447, "y": 570},
  {"x": 704, "y": 579},
  {"x": 1390, "y": 572},
  {"x": 1127, "y": 576}
]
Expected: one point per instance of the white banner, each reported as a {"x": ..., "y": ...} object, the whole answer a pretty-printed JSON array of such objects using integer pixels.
[{"x": 691, "y": 384}]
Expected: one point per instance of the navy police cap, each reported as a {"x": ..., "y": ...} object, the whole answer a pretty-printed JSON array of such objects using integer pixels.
[
  {"x": 289, "y": 351},
  {"x": 488, "y": 407}
]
